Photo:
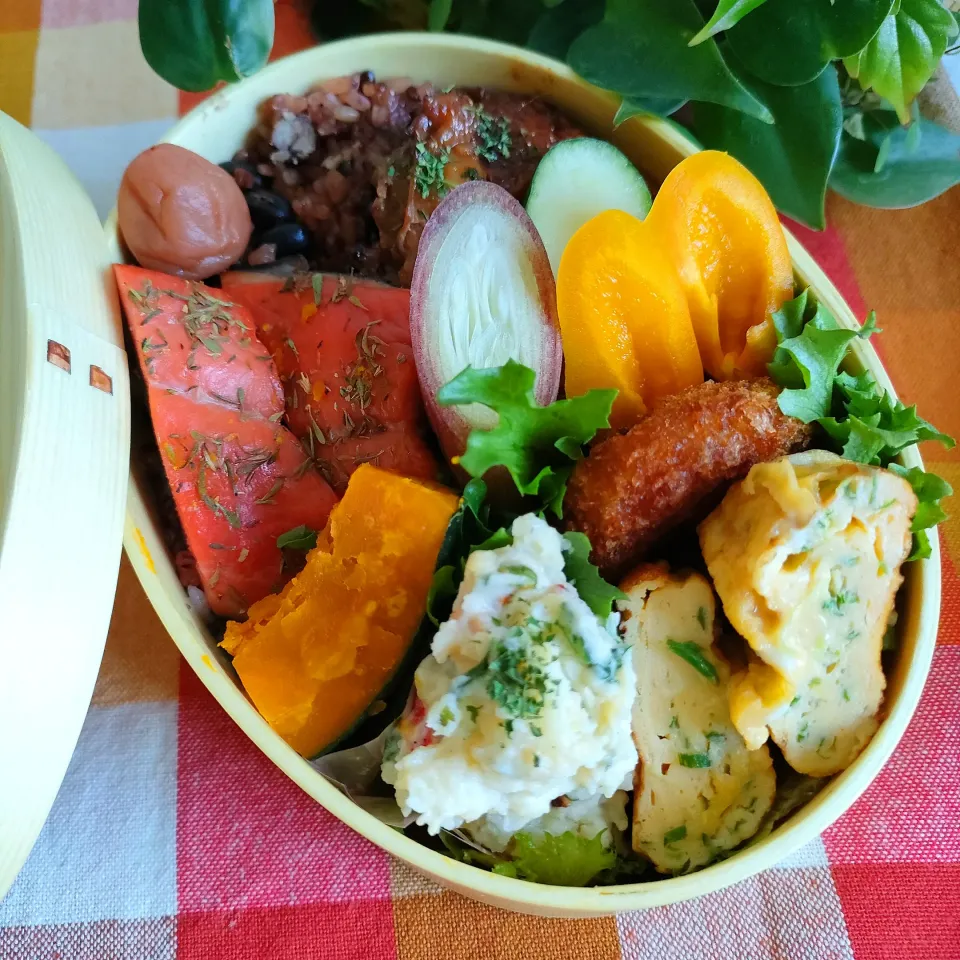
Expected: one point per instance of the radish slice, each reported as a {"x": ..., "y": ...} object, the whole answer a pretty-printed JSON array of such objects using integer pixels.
[{"x": 483, "y": 293}]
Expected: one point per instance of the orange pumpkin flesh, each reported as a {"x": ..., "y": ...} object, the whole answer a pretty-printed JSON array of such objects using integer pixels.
[{"x": 315, "y": 657}]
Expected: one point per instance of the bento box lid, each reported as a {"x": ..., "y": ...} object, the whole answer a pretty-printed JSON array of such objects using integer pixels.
[{"x": 64, "y": 462}]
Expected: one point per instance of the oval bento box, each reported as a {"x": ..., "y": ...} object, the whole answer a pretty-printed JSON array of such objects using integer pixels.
[{"x": 215, "y": 130}]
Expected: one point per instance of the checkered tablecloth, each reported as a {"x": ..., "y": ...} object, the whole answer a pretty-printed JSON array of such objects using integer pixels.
[{"x": 172, "y": 836}]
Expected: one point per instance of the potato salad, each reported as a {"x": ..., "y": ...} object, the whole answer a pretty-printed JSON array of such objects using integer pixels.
[{"x": 525, "y": 698}]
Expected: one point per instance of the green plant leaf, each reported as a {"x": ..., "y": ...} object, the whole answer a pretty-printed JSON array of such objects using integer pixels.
[
  {"x": 644, "y": 108},
  {"x": 439, "y": 14},
  {"x": 915, "y": 168},
  {"x": 594, "y": 591},
  {"x": 728, "y": 14},
  {"x": 299, "y": 538},
  {"x": 509, "y": 20},
  {"x": 902, "y": 57},
  {"x": 641, "y": 50},
  {"x": 538, "y": 445},
  {"x": 793, "y": 157},
  {"x": 789, "y": 42},
  {"x": 565, "y": 860},
  {"x": 560, "y": 25},
  {"x": 806, "y": 363},
  {"x": 194, "y": 44}
]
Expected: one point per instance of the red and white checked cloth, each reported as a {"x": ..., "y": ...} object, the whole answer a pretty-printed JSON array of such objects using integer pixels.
[{"x": 173, "y": 837}]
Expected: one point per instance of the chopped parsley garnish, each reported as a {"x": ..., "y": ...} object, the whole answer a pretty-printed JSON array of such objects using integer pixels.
[
  {"x": 430, "y": 171},
  {"x": 696, "y": 761},
  {"x": 677, "y": 833},
  {"x": 493, "y": 136},
  {"x": 794, "y": 701},
  {"x": 715, "y": 735},
  {"x": 702, "y": 617},
  {"x": 674, "y": 723},
  {"x": 838, "y": 600},
  {"x": 473, "y": 710},
  {"x": 803, "y": 731},
  {"x": 446, "y": 717},
  {"x": 391, "y": 748},
  {"x": 535, "y": 730},
  {"x": 693, "y": 654},
  {"x": 299, "y": 538},
  {"x": 516, "y": 682}
]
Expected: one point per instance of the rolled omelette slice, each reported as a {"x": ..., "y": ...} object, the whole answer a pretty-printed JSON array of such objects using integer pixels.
[
  {"x": 805, "y": 554},
  {"x": 698, "y": 790}
]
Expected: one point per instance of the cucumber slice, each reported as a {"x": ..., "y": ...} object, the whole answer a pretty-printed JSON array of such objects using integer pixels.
[{"x": 576, "y": 180}]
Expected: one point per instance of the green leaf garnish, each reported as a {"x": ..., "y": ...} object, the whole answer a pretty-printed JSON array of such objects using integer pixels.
[
  {"x": 595, "y": 592},
  {"x": 565, "y": 860},
  {"x": 930, "y": 490},
  {"x": 694, "y": 655},
  {"x": 538, "y": 445},
  {"x": 299, "y": 538},
  {"x": 865, "y": 423},
  {"x": 807, "y": 359},
  {"x": 468, "y": 530}
]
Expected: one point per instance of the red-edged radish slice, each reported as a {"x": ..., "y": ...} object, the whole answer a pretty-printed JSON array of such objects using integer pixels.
[{"x": 482, "y": 293}]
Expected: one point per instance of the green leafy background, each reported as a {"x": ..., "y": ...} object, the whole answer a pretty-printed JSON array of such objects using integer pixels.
[{"x": 808, "y": 94}]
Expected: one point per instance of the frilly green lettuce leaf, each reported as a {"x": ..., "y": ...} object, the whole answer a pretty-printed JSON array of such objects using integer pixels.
[
  {"x": 564, "y": 860},
  {"x": 538, "y": 445},
  {"x": 865, "y": 423},
  {"x": 595, "y": 592},
  {"x": 930, "y": 490}
]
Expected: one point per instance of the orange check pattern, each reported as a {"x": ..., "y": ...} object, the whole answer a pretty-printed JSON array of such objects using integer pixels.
[{"x": 173, "y": 837}]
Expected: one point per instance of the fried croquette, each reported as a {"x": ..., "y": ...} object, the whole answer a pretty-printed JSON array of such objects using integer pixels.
[{"x": 634, "y": 487}]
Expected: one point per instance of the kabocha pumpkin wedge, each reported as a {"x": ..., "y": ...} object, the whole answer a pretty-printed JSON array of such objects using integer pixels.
[
  {"x": 720, "y": 230},
  {"x": 316, "y": 657}
]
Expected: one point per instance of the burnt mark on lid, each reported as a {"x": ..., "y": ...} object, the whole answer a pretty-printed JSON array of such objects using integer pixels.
[
  {"x": 58, "y": 355},
  {"x": 100, "y": 380}
]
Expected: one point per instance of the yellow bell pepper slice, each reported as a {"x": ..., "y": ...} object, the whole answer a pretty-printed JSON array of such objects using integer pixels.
[
  {"x": 623, "y": 316},
  {"x": 720, "y": 229}
]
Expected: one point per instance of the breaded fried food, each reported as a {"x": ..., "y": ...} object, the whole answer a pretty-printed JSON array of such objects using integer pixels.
[{"x": 636, "y": 486}]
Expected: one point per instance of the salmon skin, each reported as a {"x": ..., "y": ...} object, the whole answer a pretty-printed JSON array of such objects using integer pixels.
[
  {"x": 239, "y": 478},
  {"x": 342, "y": 348}
]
